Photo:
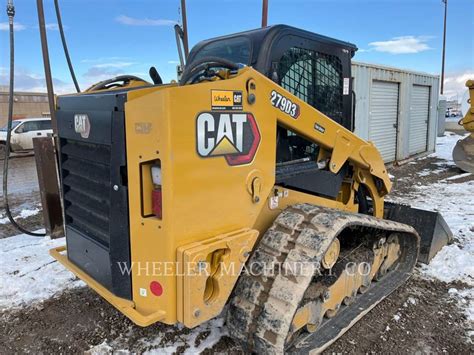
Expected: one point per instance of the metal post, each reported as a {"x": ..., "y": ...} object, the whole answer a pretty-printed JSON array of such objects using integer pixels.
[
  {"x": 264, "y": 13},
  {"x": 185, "y": 28},
  {"x": 47, "y": 151},
  {"x": 47, "y": 65},
  {"x": 444, "y": 44}
]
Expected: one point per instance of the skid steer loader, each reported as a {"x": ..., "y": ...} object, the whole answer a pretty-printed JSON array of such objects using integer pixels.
[
  {"x": 242, "y": 184},
  {"x": 463, "y": 152}
]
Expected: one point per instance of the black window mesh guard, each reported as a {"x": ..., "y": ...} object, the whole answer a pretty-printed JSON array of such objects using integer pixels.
[{"x": 315, "y": 78}]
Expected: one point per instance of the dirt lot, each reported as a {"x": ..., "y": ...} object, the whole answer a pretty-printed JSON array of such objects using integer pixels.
[
  {"x": 429, "y": 322},
  {"x": 420, "y": 317}
]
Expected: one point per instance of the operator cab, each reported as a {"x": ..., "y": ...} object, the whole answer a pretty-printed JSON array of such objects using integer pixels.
[{"x": 315, "y": 68}]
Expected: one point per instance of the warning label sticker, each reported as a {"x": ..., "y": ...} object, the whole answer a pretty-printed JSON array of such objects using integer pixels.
[{"x": 345, "y": 90}]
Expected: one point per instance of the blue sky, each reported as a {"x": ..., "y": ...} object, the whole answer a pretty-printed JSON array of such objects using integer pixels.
[{"x": 110, "y": 37}]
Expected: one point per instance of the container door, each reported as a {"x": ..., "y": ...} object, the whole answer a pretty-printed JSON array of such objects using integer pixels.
[
  {"x": 383, "y": 120},
  {"x": 419, "y": 117}
]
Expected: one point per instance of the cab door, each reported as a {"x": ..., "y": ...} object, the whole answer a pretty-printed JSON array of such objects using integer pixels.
[
  {"x": 45, "y": 128},
  {"x": 317, "y": 70}
]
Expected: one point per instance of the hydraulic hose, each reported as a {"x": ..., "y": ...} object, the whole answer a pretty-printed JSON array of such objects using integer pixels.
[
  {"x": 179, "y": 38},
  {"x": 66, "y": 51},
  {"x": 11, "y": 14}
]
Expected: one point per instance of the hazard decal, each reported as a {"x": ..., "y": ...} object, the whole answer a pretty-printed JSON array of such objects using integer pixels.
[{"x": 234, "y": 136}]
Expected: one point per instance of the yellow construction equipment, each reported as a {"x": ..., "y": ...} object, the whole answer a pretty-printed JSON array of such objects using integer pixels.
[
  {"x": 242, "y": 184},
  {"x": 463, "y": 152}
]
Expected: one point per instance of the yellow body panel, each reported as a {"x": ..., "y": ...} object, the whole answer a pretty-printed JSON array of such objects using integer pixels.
[
  {"x": 204, "y": 198},
  {"x": 125, "y": 306},
  {"x": 205, "y": 282},
  {"x": 468, "y": 120}
]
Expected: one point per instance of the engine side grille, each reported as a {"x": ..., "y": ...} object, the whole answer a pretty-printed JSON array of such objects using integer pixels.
[
  {"x": 96, "y": 215},
  {"x": 86, "y": 183}
]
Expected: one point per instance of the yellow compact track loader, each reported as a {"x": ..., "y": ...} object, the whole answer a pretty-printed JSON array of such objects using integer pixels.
[
  {"x": 241, "y": 185},
  {"x": 463, "y": 152}
]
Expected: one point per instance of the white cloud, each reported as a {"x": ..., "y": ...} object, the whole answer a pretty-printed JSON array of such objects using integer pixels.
[
  {"x": 402, "y": 45},
  {"x": 173, "y": 62},
  {"x": 102, "y": 71},
  {"x": 33, "y": 82},
  {"x": 125, "y": 20},
  {"x": 96, "y": 74},
  {"x": 4, "y": 26},
  {"x": 54, "y": 27},
  {"x": 455, "y": 84},
  {"x": 114, "y": 65},
  {"x": 105, "y": 59}
]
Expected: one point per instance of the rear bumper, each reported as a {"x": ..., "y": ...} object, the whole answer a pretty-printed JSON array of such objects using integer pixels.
[{"x": 125, "y": 306}]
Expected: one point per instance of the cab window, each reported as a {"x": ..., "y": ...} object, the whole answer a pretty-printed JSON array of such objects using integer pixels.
[
  {"x": 236, "y": 49},
  {"x": 14, "y": 125},
  {"x": 45, "y": 125},
  {"x": 29, "y": 126},
  {"x": 315, "y": 78}
]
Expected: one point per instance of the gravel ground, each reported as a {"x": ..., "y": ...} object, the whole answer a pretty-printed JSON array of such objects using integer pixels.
[{"x": 420, "y": 317}]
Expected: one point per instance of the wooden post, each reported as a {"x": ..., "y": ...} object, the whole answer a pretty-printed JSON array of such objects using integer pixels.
[{"x": 47, "y": 168}]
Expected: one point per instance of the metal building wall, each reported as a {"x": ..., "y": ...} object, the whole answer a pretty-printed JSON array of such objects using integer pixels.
[
  {"x": 26, "y": 104},
  {"x": 364, "y": 75}
]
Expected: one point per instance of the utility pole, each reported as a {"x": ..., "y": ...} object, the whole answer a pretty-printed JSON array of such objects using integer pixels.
[
  {"x": 47, "y": 64},
  {"x": 185, "y": 28},
  {"x": 444, "y": 44},
  {"x": 264, "y": 13}
]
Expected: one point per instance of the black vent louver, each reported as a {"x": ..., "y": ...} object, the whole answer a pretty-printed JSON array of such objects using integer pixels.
[{"x": 95, "y": 189}]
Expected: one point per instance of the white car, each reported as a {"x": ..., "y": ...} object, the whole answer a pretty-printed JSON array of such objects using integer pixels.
[{"x": 23, "y": 132}]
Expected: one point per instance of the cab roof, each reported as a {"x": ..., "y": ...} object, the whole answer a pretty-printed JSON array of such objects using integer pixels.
[{"x": 262, "y": 39}]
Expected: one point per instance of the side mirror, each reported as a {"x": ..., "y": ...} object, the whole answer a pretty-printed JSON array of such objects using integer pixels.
[{"x": 20, "y": 129}]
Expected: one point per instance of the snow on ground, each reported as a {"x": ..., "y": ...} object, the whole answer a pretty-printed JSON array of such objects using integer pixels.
[
  {"x": 427, "y": 172},
  {"x": 23, "y": 214},
  {"x": 214, "y": 326},
  {"x": 445, "y": 145},
  {"x": 163, "y": 343},
  {"x": 457, "y": 177},
  {"x": 455, "y": 202},
  {"x": 28, "y": 274}
]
